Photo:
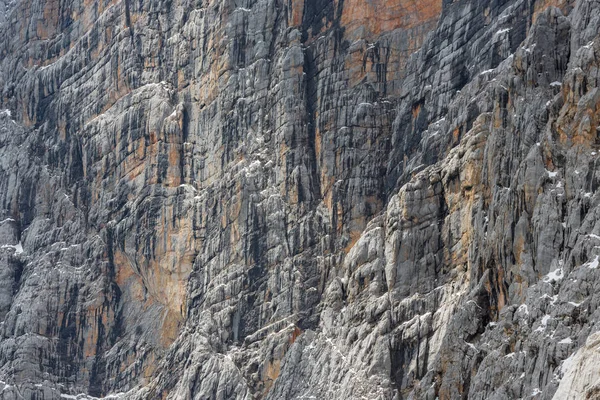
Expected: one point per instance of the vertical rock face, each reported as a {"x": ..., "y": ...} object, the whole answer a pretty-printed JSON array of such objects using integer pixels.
[{"x": 299, "y": 199}]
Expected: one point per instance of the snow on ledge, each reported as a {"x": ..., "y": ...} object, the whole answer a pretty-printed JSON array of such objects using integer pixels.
[{"x": 17, "y": 247}]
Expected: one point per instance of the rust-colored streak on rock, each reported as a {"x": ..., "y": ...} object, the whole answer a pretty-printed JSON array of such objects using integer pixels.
[
  {"x": 295, "y": 334},
  {"x": 297, "y": 9},
  {"x": 379, "y": 16},
  {"x": 541, "y": 5}
]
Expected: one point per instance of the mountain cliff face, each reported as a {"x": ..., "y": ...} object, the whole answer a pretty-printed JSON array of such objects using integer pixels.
[{"x": 293, "y": 199}]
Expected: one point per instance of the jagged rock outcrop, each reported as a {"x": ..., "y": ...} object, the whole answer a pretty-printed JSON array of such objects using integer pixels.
[{"x": 299, "y": 199}]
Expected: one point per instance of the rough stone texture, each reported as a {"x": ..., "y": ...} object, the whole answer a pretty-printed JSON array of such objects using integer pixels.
[{"x": 299, "y": 199}]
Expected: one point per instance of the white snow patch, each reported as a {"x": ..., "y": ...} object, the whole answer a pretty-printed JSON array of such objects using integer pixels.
[
  {"x": 18, "y": 247},
  {"x": 594, "y": 263},
  {"x": 556, "y": 83},
  {"x": 552, "y": 174},
  {"x": 501, "y": 31},
  {"x": 523, "y": 308},
  {"x": 187, "y": 185},
  {"x": 471, "y": 345},
  {"x": 543, "y": 324},
  {"x": 554, "y": 276},
  {"x": 6, "y": 112},
  {"x": 86, "y": 397},
  {"x": 536, "y": 391},
  {"x": 566, "y": 341},
  {"x": 487, "y": 71}
]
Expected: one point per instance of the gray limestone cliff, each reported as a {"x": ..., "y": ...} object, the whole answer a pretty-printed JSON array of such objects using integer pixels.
[{"x": 299, "y": 199}]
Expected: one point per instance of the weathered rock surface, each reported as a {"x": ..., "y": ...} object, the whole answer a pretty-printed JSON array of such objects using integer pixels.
[{"x": 299, "y": 199}]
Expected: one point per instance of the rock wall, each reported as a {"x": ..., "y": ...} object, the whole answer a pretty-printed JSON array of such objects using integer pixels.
[{"x": 299, "y": 199}]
